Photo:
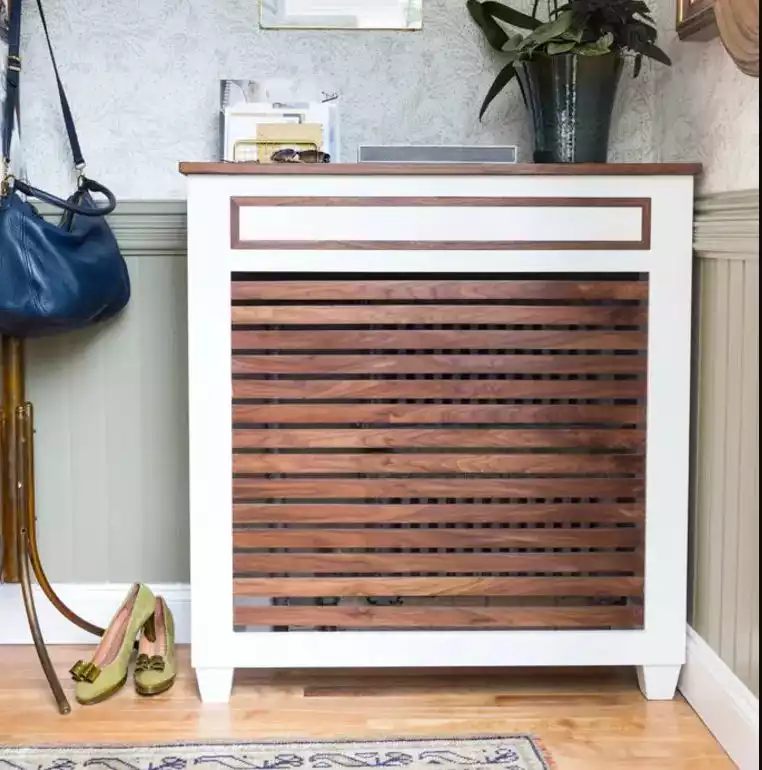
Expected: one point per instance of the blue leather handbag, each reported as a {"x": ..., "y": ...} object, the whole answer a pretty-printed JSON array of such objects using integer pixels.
[{"x": 54, "y": 277}]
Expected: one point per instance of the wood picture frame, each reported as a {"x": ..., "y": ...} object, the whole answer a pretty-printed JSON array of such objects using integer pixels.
[{"x": 695, "y": 20}]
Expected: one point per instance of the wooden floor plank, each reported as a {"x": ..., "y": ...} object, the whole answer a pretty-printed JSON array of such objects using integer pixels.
[{"x": 588, "y": 720}]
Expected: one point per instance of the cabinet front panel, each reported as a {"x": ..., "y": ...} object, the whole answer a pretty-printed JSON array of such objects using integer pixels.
[
  {"x": 439, "y": 453},
  {"x": 445, "y": 223}
]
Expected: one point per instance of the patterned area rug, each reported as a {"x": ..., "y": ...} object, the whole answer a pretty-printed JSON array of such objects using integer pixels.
[{"x": 512, "y": 752}]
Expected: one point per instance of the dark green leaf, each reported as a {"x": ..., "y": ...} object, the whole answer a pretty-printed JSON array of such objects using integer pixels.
[
  {"x": 523, "y": 92},
  {"x": 591, "y": 49},
  {"x": 495, "y": 34},
  {"x": 554, "y": 48},
  {"x": 504, "y": 77},
  {"x": 550, "y": 30},
  {"x": 513, "y": 44},
  {"x": 509, "y": 15},
  {"x": 574, "y": 33},
  {"x": 653, "y": 52}
]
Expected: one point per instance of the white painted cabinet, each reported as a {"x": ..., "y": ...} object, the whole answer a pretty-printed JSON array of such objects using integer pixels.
[{"x": 439, "y": 416}]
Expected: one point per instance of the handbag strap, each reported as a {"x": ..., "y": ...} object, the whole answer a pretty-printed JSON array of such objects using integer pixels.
[
  {"x": 85, "y": 186},
  {"x": 11, "y": 110},
  {"x": 13, "y": 83}
]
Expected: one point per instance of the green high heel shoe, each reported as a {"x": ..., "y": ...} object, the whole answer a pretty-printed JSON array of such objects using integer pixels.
[
  {"x": 106, "y": 673},
  {"x": 155, "y": 669}
]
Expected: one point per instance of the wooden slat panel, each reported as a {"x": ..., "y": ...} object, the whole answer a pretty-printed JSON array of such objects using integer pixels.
[
  {"x": 602, "y": 452},
  {"x": 440, "y": 617},
  {"x": 337, "y": 513},
  {"x": 427, "y": 339},
  {"x": 439, "y": 290},
  {"x": 438, "y": 364},
  {"x": 386, "y": 564},
  {"x": 447, "y": 389},
  {"x": 438, "y": 463},
  {"x": 353, "y": 315},
  {"x": 633, "y": 439},
  {"x": 441, "y": 414},
  {"x": 438, "y": 538},
  {"x": 439, "y": 586},
  {"x": 330, "y": 488}
]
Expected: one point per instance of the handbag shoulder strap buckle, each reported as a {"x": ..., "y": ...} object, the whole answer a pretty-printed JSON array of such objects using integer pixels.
[{"x": 6, "y": 178}]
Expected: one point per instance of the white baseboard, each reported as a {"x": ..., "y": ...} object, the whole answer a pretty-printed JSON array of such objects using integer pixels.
[
  {"x": 727, "y": 707},
  {"x": 95, "y": 603}
]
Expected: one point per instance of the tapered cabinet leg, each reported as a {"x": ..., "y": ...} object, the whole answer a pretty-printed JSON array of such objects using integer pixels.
[
  {"x": 658, "y": 682},
  {"x": 215, "y": 685}
]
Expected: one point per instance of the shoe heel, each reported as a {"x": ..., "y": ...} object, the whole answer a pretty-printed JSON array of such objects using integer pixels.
[{"x": 149, "y": 629}]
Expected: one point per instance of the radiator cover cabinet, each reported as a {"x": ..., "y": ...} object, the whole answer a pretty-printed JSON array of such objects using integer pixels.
[{"x": 439, "y": 417}]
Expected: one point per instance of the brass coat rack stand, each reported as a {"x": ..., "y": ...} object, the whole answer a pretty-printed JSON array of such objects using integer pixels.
[{"x": 20, "y": 551}]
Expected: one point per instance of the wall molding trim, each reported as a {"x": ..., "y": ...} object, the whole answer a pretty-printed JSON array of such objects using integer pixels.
[
  {"x": 726, "y": 226},
  {"x": 146, "y": 228},
  {"x": 725, "y": 705},
  {"x": 96, "y": 603}
]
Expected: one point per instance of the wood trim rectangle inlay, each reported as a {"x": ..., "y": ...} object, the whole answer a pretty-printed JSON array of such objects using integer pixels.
[{"x": 238, "y": 242}]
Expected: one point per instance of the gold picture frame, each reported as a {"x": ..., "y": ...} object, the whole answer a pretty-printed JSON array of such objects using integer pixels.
[{"x": 695, "y": 20}]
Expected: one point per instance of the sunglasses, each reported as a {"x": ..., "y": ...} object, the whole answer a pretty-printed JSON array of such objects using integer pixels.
[{"x": 300, "y": 156}]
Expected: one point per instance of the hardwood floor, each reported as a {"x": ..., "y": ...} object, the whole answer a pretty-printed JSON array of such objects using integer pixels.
[{"x": 588, "y": 720}]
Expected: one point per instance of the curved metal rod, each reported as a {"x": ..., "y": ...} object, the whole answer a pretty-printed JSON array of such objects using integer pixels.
[
  {"x": 22, "y": 549},
  {"x": 34, "y": 625},
  {"x": 25, "y": 415}
]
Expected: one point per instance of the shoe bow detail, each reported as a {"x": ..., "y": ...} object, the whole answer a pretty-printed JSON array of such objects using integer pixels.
[
  {"x": 84, "y": 671},
  {"x": 152, "y": 663}
]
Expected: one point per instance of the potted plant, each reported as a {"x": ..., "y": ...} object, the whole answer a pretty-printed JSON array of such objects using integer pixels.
[{"x": 568, "y": 67}]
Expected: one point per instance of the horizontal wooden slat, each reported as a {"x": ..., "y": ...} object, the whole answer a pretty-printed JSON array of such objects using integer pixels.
[
  {"x": 439, "y": 538},
  {"x": 319, "y": 390},
  {"x": 439, "y": 290},
  {"x": 438, "y": 463},
  {"x": 388, "y": 564},
  {"x": 441, "y": 414},
  {"x": 330, "y": 488},
  {"x": 354, "y": 315},
  {"x": 440, "y": 617},
  {"x": 439, "y": 586},
  {"x": 302, "y": 364},
  {"x": 296, "y": 438},
  {"x": 342, "y": 513},
  {"x": 427, "y": 339}
]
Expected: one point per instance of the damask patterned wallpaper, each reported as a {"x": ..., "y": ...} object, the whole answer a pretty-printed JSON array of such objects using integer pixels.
[
  {"x": 143, "y": 80},
  {"x": 707, "y": 110}
]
